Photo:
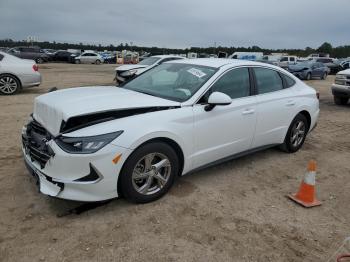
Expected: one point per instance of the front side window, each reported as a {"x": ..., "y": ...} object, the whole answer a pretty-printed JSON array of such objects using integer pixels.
[
  {"x": 284, "y": 59},
  {"x": 267, "y": 80},
  {"x": 292, "y": 59},
  {"x": 234, "y": 83},
  {"x": 177, "y": 82}
]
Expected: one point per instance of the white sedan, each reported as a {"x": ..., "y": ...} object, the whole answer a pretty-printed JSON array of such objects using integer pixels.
[
  {"x": 97, "y": 143},
  {"x": 17, "y": 73},
  {"x": 124, "y": 73}
]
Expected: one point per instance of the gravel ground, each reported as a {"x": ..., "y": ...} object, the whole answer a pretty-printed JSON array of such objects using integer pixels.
[{"x": 236, "y": 211}]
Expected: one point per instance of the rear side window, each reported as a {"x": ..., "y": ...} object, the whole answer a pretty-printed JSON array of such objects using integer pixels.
[
  {"x": 289, "y": 81},
  {"x": 267, "y": 80},
  {"x": 234, "y": 83},
  {"x": 1, "y": 57}
]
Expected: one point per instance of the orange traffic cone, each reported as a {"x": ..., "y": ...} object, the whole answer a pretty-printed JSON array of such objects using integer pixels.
[{"x": 306, "y": 194}]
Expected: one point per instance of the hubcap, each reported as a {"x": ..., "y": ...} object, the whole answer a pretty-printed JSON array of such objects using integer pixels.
[
  {"x": 298, "y": 133},
  {"x": 151, "y": 173},
  {"x": 8, "y": 85}
]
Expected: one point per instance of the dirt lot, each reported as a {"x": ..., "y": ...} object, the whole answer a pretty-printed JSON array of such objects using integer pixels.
[{"x": 236, "y": 211}]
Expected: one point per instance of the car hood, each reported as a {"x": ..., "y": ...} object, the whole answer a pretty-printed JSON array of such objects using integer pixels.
[
  {"x": 344, "y": 72},
  {"x": 54, "y": 109},
  {"x": 294, "y": 68},
  {"x": 129, "y": 67}
]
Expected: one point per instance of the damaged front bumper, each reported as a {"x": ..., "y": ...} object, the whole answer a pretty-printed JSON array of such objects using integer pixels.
[{"x": 81, "y": 177}]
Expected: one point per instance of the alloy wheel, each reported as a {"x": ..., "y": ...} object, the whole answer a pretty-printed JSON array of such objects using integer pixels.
[
  {"x": 298, "y": 133},
  {"x": 151, "y": 173},
  {"x": 8, "y": 85}
]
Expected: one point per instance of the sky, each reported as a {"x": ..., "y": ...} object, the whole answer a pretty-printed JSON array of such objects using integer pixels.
[{"x": 179, "y": 23}]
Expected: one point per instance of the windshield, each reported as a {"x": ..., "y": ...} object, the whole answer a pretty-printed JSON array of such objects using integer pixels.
[
  {"x": 173, "y": 81},
  {"x": 149, "y": 61}
]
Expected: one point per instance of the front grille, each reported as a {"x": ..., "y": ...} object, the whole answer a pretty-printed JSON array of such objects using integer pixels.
[{"x": 35, "y": 143}]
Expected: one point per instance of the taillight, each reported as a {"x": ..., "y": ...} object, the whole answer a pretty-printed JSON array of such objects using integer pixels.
[
  {"x": 35, "y": 67},
  {"x": 318, "y": 95}
]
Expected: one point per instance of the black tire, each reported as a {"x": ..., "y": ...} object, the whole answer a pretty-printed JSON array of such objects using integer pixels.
[
  {"x": 340, "y": 100},
  {"x": 39, "y": 60},
  {"x": 308, "y": 76},
  {"x": 128, "y": 185},
  {"x": 324, "y": 76},
  {"x": 77, "y": 61},
  {"x": 288, "y": 145},
  {"x": 5, "y": 81},
  {"x": 98, "y": 62}
]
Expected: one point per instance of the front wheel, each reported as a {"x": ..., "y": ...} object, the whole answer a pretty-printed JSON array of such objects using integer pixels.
[
  {"x": 340, "y": 100},
  {"x": 77, "y": 61},
  {"x": 296, "y": 134},
  {"x": 98, "y": 62},
  {"x": 149, "y": 172}
]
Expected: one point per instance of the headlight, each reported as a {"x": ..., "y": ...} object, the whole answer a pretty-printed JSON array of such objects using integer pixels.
[
  {"x": 129, "y": 72},
  {"x": 340, "y": 79},
  {"x": 85, "y": 145}
]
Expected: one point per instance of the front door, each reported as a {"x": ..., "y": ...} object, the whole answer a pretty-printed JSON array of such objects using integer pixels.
[{"x": 225, "y": 130}]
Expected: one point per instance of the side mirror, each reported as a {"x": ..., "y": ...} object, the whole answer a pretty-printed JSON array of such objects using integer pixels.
[{"x": 217, "y": 99}]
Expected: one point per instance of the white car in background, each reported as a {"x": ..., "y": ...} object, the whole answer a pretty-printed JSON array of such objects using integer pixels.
[
  {"x": 89, "y": 58},
  {"x": 98, "y": 143},
  {"x": 17, "y": 73},
  {"x": 124, "y": 73}
]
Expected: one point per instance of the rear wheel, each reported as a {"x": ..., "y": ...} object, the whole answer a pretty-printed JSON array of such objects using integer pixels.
[
  {"x": 324, "y": 76},
  {"x": 9, "y": 85},
  {"x": 39, "y": 60},
  {"x": 341, "y": 100},
  {"x": 296, "y": 134},
  {"x": 149, "y": 172}
]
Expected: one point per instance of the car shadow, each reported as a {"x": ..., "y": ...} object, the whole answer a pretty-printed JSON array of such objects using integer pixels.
[{"x": 184, "y": 186}]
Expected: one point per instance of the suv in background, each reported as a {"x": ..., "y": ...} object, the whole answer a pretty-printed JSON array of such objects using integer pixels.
[
  {"x": 341, "y": 87},
  {"x": 34, "y": 53}
]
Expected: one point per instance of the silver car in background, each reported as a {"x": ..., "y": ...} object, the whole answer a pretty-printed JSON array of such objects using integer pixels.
[
  {"x": 89, "y": 58},
  {"x": 17, "y": 73}
]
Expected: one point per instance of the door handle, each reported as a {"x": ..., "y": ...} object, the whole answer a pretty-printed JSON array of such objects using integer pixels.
[
  {"x": 290, "y": 103},
  {"x": 248, "y": 111}
]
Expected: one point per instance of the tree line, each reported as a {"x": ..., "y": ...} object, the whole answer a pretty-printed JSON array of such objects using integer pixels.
[{"x": 337, "y": 52}]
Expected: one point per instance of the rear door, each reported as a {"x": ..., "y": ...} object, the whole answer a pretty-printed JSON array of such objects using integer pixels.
[
  {"x": 275, "y": 106},
  {"x": 85, "y": 58},
  {"x": 225, "y": 130}
]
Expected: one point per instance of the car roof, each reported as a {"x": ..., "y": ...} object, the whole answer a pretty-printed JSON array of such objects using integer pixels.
[{"x": 219, "y": 62}]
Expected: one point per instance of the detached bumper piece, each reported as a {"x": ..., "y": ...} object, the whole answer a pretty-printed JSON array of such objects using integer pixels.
[
  {"x": 45, "y": 183},
  {"x": 35, "y": 144}
]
